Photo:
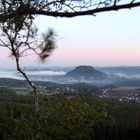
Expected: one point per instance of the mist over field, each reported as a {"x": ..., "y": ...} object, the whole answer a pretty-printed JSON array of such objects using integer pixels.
[
  {"x": 59, "y": 74},
  {"x": 15, "y": 75}
]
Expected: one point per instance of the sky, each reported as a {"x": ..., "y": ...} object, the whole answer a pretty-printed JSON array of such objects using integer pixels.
[{"x": 107, "y": 39}]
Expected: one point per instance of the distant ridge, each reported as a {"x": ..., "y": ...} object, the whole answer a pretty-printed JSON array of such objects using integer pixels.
[
  {"x": 130, "y": 70},
  {"x": 9, "y": 82},
  {"x": 86, "y": 73}
]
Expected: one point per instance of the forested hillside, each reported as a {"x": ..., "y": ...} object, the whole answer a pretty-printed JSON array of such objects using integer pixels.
[{"x": 82, "y": 117}]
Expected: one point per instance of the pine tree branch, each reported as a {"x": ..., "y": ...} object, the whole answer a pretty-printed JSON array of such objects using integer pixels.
[{"x": 32, "y": 11}]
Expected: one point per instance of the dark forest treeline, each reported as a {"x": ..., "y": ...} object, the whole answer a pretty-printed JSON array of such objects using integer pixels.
[{"x": 82, "y": 117}]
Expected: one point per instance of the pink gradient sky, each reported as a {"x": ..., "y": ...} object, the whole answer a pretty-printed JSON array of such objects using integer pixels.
[{"x": 109, "y": 39}]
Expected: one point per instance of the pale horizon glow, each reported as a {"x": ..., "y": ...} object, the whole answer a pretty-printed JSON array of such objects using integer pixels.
[{"x": 109, "y": 39}]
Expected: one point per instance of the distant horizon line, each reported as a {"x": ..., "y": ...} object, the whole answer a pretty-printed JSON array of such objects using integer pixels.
[{"x": 60, "y": 66}]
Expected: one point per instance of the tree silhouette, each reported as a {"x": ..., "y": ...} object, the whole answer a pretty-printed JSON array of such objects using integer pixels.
[
  {"x": 62, "y": 8},
  {"x": 20, "y": 36}
]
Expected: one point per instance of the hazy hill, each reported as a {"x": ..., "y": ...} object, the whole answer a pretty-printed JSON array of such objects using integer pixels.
[{"x": 86, "y": 73}]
